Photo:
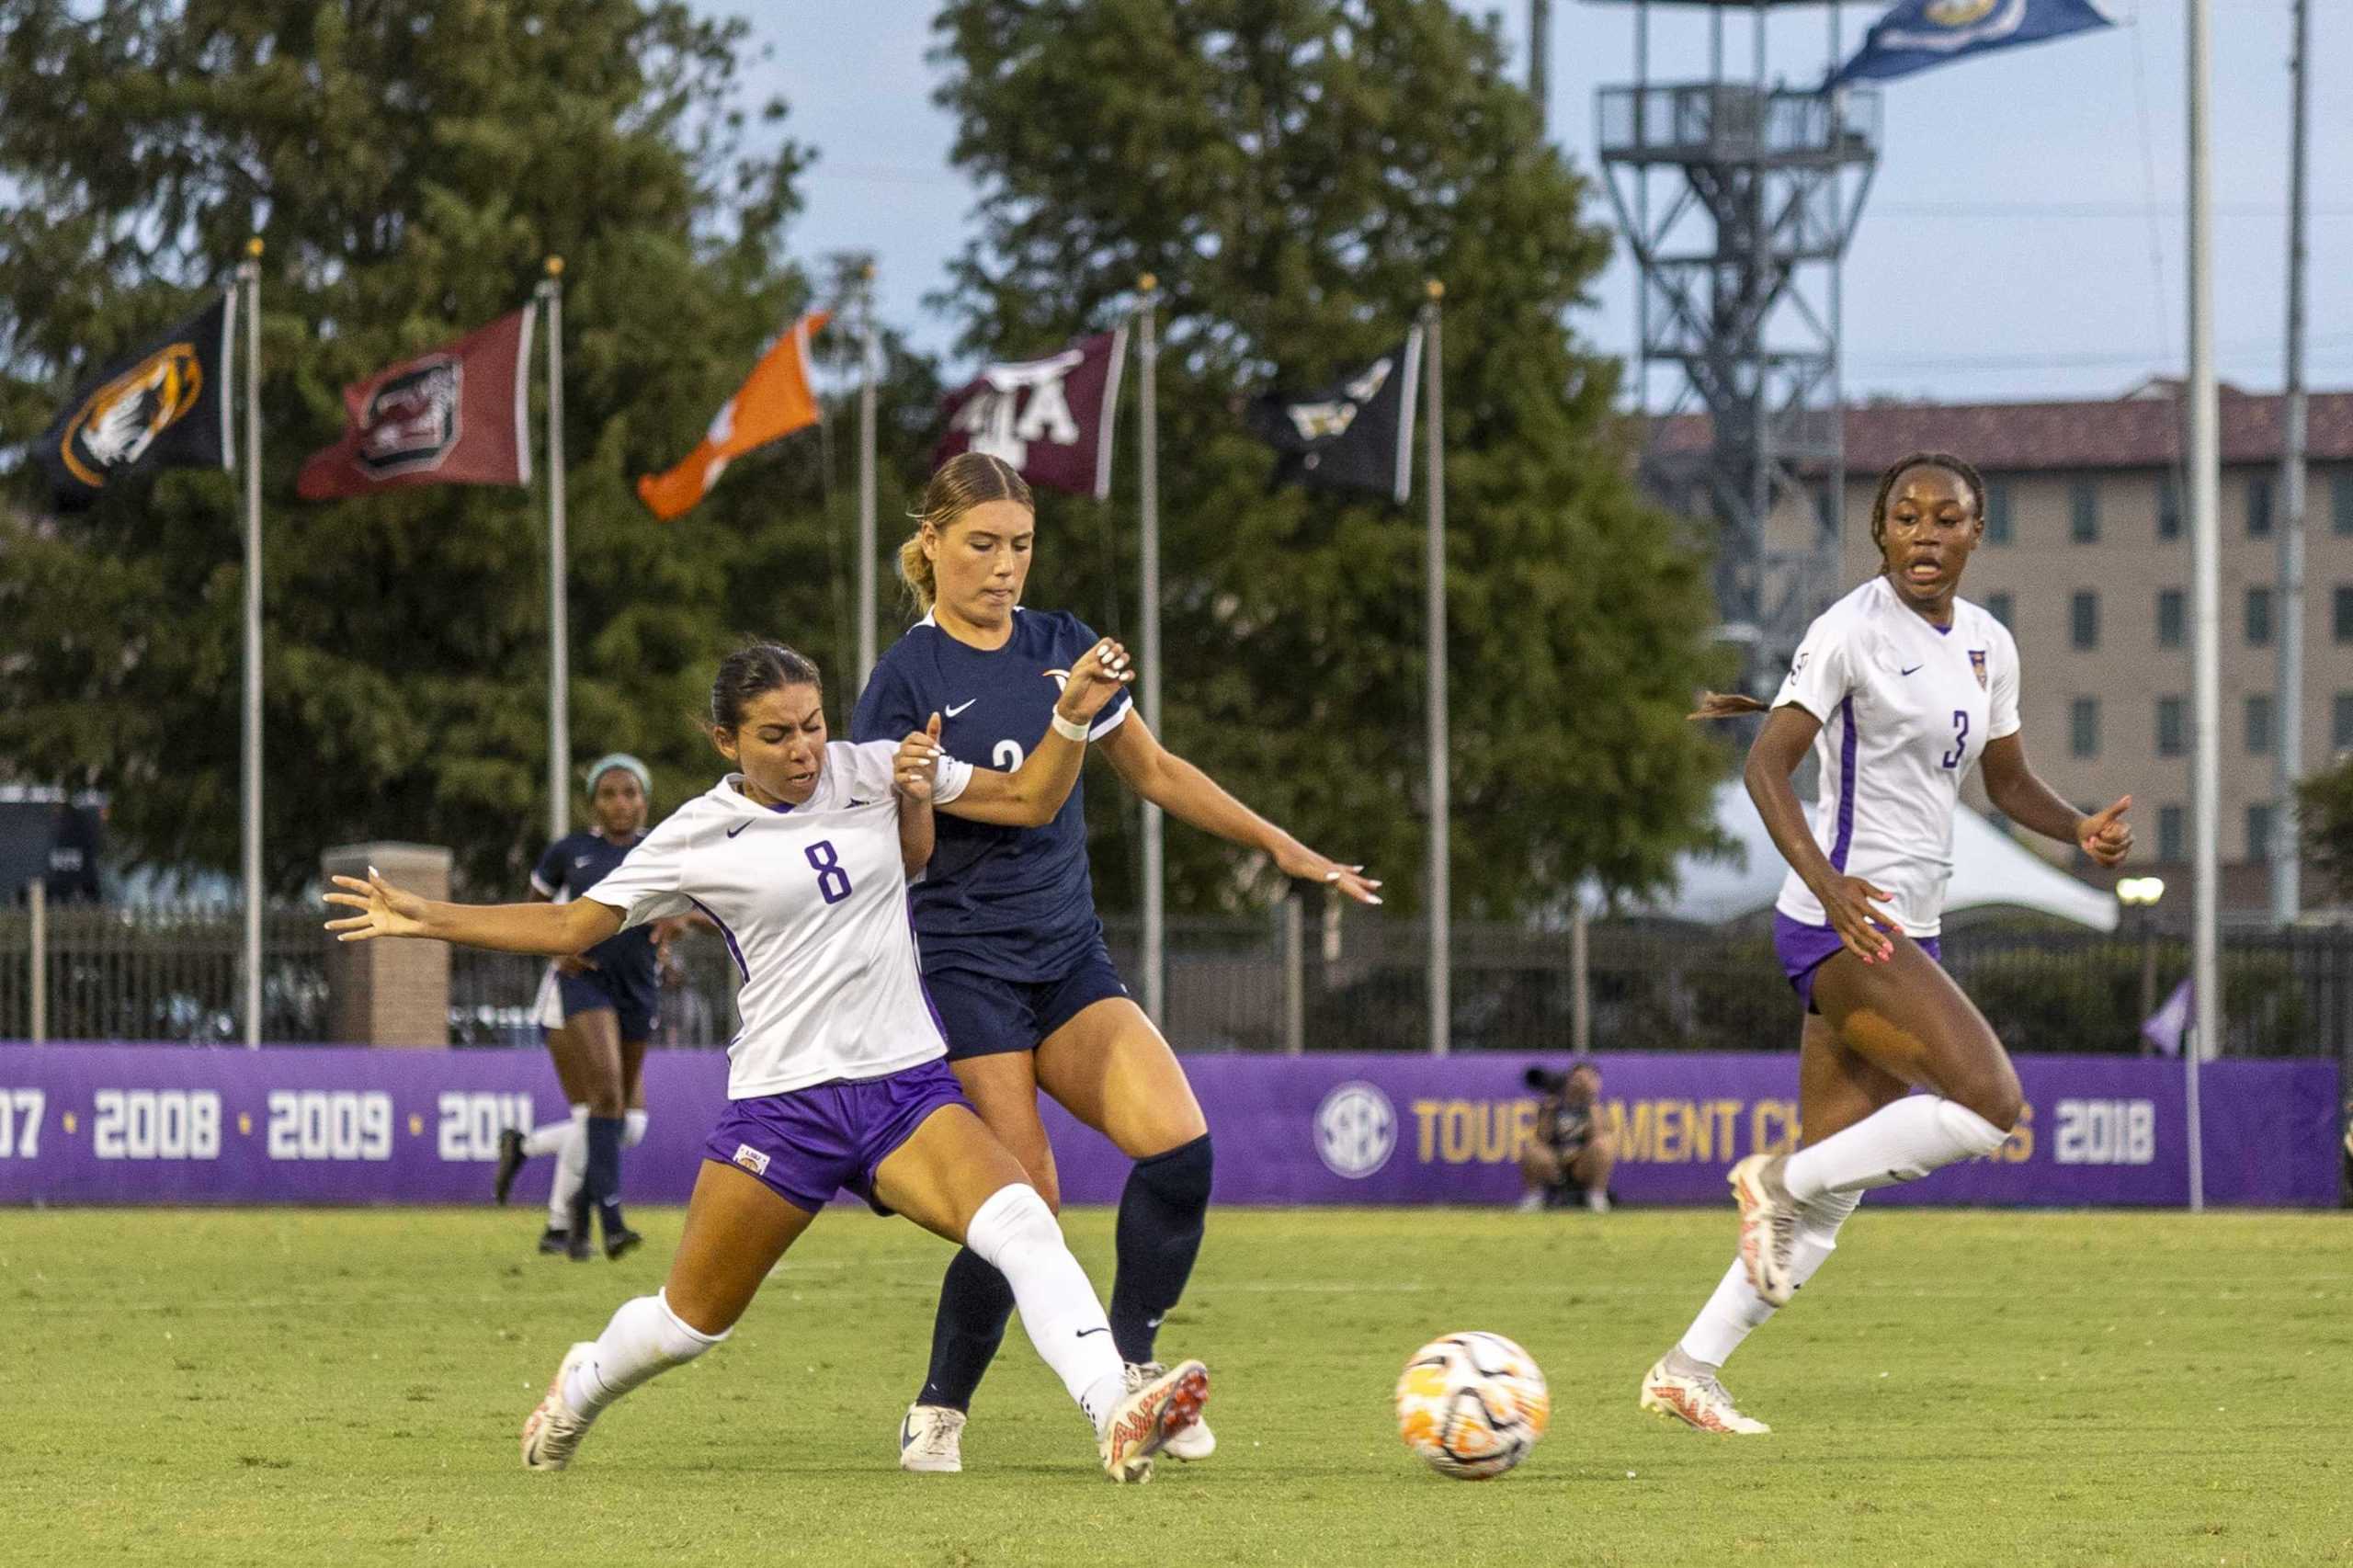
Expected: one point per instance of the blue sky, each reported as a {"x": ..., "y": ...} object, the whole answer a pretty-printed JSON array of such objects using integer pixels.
[{"x": 2024, "y": 237}]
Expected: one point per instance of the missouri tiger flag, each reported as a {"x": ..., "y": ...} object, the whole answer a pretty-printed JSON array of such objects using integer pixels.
[
  {"x": 163, "y": 404},
  {"x": 458, "y": 414},
  {"x": 773, "y": 401}
]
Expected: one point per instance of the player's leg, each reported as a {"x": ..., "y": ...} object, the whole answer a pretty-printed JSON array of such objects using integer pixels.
[
  {"x": 598, "y": 1033},
  {"x": 633, "y": 1117},
  {"x": 1907, "y": 1018},
  {"x": 954, "y": 1178},
  {"x": 1835, "y": 1090},
  {"x": 737, "y": 1227}
]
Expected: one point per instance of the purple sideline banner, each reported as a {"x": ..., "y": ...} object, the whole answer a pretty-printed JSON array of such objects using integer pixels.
[{"x": 173, "y": 1124}]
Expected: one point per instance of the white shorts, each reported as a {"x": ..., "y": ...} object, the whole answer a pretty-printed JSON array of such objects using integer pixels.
[{"x": 547, "y": 1007}]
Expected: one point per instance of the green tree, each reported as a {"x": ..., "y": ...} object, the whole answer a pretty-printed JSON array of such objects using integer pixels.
[
  {"x": 408, "y": 163},
  {"x": 2324, "y": 818},
  {"x": 1292, "y": 172}
]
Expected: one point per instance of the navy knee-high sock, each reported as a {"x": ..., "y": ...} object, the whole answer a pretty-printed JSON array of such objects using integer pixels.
[
  {"x": 1162, "y": 1213},
  {"x": 976, "y": 1303},
  {"x": 603, "y": 1182}
]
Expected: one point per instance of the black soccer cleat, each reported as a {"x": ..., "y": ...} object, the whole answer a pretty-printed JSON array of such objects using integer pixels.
[
  {"x": 622, "y": 1243},
  {"x": 510, "y": 1164},
  {"x": 555, "y": 1242},
  {"x": 579, "y": 1245}
]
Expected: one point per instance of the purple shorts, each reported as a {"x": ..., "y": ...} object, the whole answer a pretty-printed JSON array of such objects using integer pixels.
[
  {"x": 1804, "y": 948},
  {"x": 810, "y": 1143}
]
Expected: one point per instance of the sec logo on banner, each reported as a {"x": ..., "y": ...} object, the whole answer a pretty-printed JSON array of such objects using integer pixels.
[{"x": 1356, "y": 1130}]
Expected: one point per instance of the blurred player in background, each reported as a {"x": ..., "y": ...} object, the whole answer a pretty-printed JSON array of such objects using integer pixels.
[
  {"x": 1901, "y": 690},
  {"x": 1567, "y": 1158},
  {"x": 1013, "y": 954},
  {"x": 802, "y": 860},
  {"x": 596, "y": 1010}
]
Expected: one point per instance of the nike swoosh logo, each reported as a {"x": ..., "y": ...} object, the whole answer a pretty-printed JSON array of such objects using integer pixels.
[
  {"x": 737, "y": 828},
  {"x": 962, "y": 705},
  {"x": 1907, "y": 671},
  {"x": 1084, "y": 1332}
]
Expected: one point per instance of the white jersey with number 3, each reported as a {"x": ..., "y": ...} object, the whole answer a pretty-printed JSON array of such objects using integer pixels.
[
  {"x": 1906, "y": 711},
  {"x": 812, "y": 901}
]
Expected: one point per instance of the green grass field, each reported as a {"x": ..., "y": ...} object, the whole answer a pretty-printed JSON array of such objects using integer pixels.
[{"x": 324, "y": 1387}]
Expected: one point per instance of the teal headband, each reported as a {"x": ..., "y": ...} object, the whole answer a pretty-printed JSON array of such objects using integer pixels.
[{"x": 627, "y": 764}]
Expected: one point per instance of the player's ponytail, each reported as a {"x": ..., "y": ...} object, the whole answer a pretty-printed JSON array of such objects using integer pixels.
[{"x": 963, "y": 482}]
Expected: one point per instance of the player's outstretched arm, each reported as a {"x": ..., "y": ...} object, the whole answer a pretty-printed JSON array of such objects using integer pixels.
[
  {"x": 2019, "y": 794},
  {"x": 914, "y": 772},
  {"x": 1192, "y": 797},
  {"x": 1787, "y": 735},
  {"x": 552, "y": 930},
  {"x": 1030, "y": 796}
]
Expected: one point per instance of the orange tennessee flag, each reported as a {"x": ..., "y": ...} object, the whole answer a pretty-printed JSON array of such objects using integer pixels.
[{"x": 774, "y": 401}]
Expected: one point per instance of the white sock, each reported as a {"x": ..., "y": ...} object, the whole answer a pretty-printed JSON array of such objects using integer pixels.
[
  {"x": 570, "y": 1169},
  {"x": 548, "y": 1137},
  {"x": 1736, "y": 1310},
  {"x": 1902, "y": 1142},
  {"x": 633, "y": 1128},
  {"x": 645, "y": 1338},
  {"x": 1016, "y": 1230}
]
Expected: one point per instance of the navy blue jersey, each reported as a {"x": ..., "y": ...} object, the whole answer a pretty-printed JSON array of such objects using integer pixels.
[
  {"x": 577, "y": 862},
  {"x": 1010, "y": 902}
]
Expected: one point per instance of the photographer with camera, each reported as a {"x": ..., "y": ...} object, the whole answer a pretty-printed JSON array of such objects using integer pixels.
[{"x": 1567, "y": 1157}]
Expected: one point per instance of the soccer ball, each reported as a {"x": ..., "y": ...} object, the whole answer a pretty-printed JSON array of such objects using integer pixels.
[{"x": 1472, "y": 1404}]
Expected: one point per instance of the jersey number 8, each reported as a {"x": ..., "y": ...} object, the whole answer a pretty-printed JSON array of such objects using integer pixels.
[{"x": 833, "y": 882}]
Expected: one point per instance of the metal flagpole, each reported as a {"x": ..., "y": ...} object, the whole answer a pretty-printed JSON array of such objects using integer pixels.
[
  {"x": 2205, "y": 558},
  {"x": 866, "y": 632},
  {"x": 1441, "y": 971},
  {"x": 1156, "y": 889},
  {"x": 2286, "y": 870},
  {"x": 250, "y": 275},
  {"x": 559, "y": 602}
]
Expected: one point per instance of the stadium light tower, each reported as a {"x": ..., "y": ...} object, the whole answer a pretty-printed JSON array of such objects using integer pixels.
[{"x": 1737, "y": 198}]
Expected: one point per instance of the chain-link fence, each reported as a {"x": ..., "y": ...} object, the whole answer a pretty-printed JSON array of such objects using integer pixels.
[{"x": 161, "y": 976}]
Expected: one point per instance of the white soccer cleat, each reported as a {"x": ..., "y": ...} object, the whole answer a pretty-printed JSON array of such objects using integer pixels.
[
  {"x": 1156, "y": 1411},
  {"x": 1194, "y": 1442},
  {"x": 1697, "y": 1400},
  {"x": 552, "y": 1432},
  {"x": 931, "y": 1440},
  {"x": 1768, "y": 1227}
]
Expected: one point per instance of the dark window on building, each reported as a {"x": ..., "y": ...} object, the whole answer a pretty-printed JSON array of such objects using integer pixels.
[
  {"x": 2083, "y": 726},
  {"x": 2172, "y": 727},
  {"x": 2258, "y": 618},
  {"x": 2172, "y": 616},
  {"x": 2258, "y": 505},
  {"x": 2258, "y": 831},
  {"x": 2172, "y": 841},
  {"x": 2340, "y": 502},
  {"x": 1998, "y": 511},
  {"x": 2340, "y": 722},
  {"x": 2083, "y": 511},
  {"x": 2083, "y": 617},
  {"x": 2259, "y": 724},
  {"x": 2168, "y": 509},
  {"x": 2342, "y": 614},
  {"x": 2000, "y": 607}
]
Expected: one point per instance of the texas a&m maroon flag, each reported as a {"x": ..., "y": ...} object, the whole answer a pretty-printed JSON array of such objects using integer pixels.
[
  {"x": 457, "y": 416},
  {"x": 1050, "y": 419}
]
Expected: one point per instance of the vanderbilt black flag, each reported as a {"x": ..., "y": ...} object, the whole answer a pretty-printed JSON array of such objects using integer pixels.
[
  {"x": 1356, "y": 435},
  {"x": 163, "y": 404}
]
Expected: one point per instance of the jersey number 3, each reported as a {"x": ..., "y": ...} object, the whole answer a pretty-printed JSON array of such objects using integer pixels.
[
  {"x": 833, "y": 882},
  {"x": 1959, "y": 738}
]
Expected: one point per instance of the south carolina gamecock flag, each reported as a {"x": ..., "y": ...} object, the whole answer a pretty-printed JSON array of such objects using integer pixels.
[
  {"x": 1050, "y": 419},
  {"x": 163, "y": 404},
  {"x": 774, "y": 401},
  {"x": 458, "y": 414},
  {"x": 1357, "y": 435}
]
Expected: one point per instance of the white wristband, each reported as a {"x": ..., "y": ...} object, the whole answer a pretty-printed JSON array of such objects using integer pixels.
[{"x": 1069, "y": 729}]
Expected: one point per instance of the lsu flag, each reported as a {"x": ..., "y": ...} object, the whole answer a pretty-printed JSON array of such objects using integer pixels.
[
  {"x": 163, "y": 404},
  {"x": 1918, "y": 34},
  {"x": 1049, "y": 419},
  {"x": 773, "y": 401},
  {"x": 1356, "y": 435},
  {"x": 458, "y": 414}
]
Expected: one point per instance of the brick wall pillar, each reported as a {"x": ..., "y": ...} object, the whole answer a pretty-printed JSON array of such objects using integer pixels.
[{"x": 390, "y": 992}]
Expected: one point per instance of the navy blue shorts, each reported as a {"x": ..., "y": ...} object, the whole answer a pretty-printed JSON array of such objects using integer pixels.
[
  {"x": 986, "y": 1016},
  {"x": 808, "y": 1144},
  {"x": 637, "y": 999}
]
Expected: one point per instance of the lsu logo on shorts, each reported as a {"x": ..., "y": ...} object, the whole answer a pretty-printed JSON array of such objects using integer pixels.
[{"x": 751, "y": 1159}]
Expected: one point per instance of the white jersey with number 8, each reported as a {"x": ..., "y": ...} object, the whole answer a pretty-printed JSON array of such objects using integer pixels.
[
  {"x": 812, "y": 901},
  {"x": 1906, "y": 711}
]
